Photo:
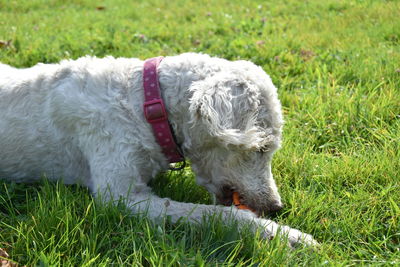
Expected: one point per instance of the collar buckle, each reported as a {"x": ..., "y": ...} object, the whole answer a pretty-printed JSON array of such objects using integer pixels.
[{"x": 154, "y": 111}]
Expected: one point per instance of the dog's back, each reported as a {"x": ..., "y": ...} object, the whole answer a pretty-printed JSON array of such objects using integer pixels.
[{"x": 30, "y": 144}]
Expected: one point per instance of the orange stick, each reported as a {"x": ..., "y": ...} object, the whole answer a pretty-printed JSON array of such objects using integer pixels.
[{"x": 236, "y": 202}]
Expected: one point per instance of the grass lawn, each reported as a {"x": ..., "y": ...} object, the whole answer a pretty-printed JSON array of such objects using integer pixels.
[{"x": 337, "y": 67}]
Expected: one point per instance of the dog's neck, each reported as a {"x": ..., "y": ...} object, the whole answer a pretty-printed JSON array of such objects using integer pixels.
[
  {"x": 176, "y": 75},
  {"x": 175, "y": 94}
]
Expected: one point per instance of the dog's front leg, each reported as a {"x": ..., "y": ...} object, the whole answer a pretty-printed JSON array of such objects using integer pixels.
[{"x": 157, "y": 208}]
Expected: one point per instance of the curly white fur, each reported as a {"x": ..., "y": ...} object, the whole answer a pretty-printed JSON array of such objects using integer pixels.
[{"x": 83, "y": 121}]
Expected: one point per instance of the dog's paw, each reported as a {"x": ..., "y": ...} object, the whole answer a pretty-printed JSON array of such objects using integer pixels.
[
  {"x": 297, "y": 238},
  {"x": 294, "y": 237}
]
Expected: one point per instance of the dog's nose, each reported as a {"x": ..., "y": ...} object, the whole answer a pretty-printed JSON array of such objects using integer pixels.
[{"x": 275, "y": 207}]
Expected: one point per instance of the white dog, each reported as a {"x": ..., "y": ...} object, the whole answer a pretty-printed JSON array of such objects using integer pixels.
[{"x": 83, "y": 121}]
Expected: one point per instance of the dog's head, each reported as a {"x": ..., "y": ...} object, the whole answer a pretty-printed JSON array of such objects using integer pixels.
[{"x": 236, "y": 123}]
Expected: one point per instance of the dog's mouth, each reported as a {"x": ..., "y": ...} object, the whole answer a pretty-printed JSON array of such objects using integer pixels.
[{"x": 225, "y": 198}]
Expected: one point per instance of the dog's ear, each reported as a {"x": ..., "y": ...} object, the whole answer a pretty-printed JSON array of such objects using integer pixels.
[{"x": 228, "y": 108}]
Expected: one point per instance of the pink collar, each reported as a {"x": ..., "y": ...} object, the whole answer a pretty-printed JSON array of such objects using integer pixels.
[{"x": 155, "y": 113}]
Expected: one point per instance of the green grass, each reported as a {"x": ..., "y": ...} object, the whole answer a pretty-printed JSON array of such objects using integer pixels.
[{"x": 337, "y": 66}]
